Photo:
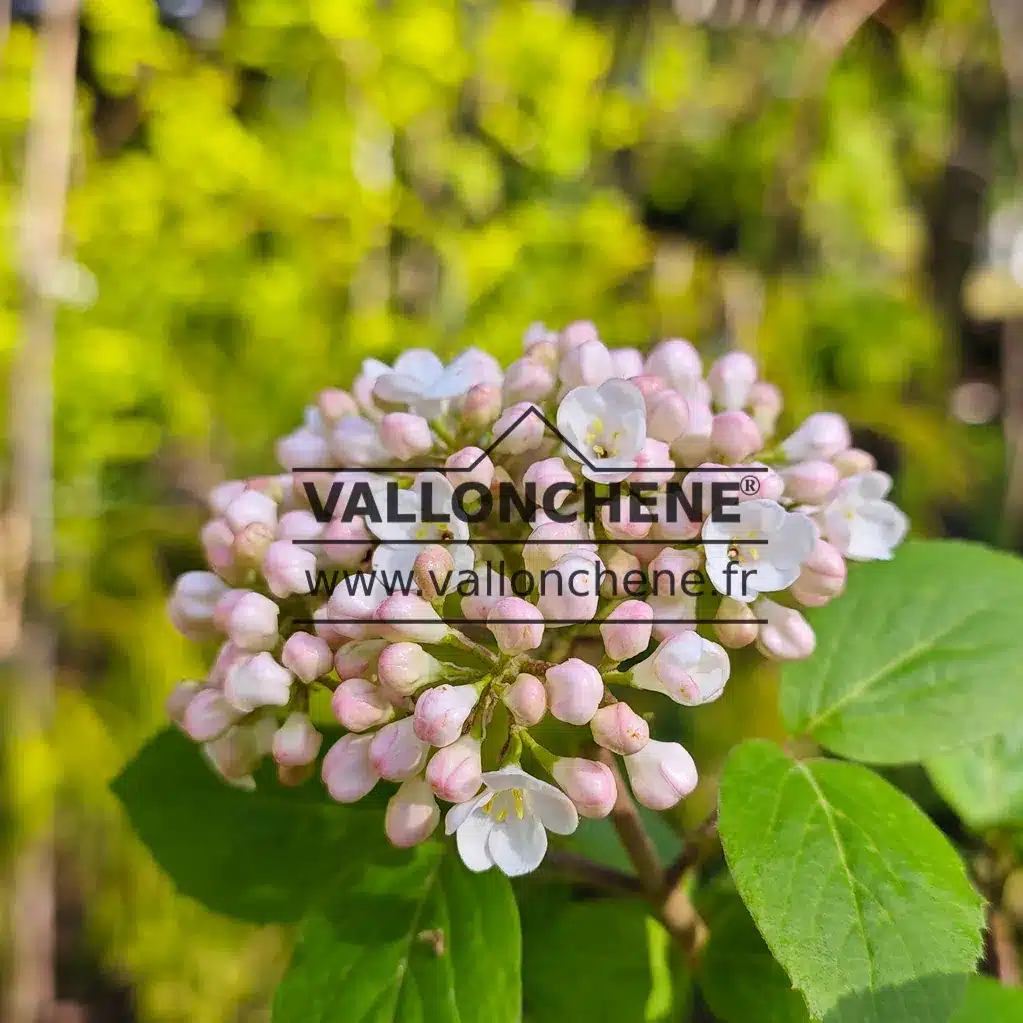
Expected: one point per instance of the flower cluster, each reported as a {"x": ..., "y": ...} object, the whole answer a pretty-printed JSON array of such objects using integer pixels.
[{"x": 443, "y": 689}]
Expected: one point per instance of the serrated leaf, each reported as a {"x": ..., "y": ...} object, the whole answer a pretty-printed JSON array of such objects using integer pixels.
[
  {"x": 983, "y": 783},
  {"x": 261, "y": 856},
  {"x": 921, "y": 655},
  {"x": 988, "y": 1001},
  {"x": 605, "y": 961},
  {"x": 739, "y": 978},
  {"x": 429, "y": 942},
  {"x": 858, "y": 895}
]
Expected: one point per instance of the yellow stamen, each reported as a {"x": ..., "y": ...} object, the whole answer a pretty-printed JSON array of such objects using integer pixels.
[
  {"x": 488, "y": 805},
  {"x": 520, "y": 810}
]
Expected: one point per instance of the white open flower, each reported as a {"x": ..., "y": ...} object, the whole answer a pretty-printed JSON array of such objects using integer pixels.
[
  {"x": 422, "y": 382},
  {"x": 507, "y": 823},
  {"x": 607, "y": 426},
  {"x": 860, "y": 523},
  {"x": 759, "y": 553},
  {"x": 430, "y": 498},
  {"x": 688, "y": 668}
]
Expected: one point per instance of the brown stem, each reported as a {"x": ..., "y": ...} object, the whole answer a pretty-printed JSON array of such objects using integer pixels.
[
  {"x": 595, "y": 875},
  {"x": 1003, "y": 952},
  {"x": 671, "y": 903},
  {"x": 692, "y": 851}
]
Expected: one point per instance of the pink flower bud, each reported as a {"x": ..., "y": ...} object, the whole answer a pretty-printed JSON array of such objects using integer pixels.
[
  {"x": 735, "y": 435},
  {"x": 822, "y": 435},
  {"x": 472, "y": 466},
  {"x": 325, "y": 627},
  {"x": 588, "y": 783},
  {"x": 355, "y": 442},
  {"x": 406, "y": 667},
  {"x": 410, "y": 618},
  {"x": 289, "y": 569},
  {"x": 765, "y": 403},
  {"x": 358, "y": 658},
  {"x": 569, "y": 591},
  {"x": 258, "y": 682},
  {"x": 772, "y": 486},
  {"x": 307, "y": 656},
  {"x": 810, "y": 482},
  {"x": 252, "y": 543},
  {"x": 236, "y": 753},
  {"x": 586, "y": 365},
  {"x": 822, "y": 576},
  {"x": 178, "y": 700},
  {"x": 626, "y": 362},
  {"x": 481, "y": 406},
  {"x": 412, "y": 814},
  {"x": 648, "y": 385},
  {"x": 624, "y": 523},
  {"x": 626, "y": 630},
  {"x": 576, "y": 334},
  {"x": 527, "y": 380},
  {"x": 574, "y": 691},
  {"x": 253, "y": 622},
  {"x": 208, "y": 715},
  {"x": 661, "y": 774},
  {"x": 296, "y": 742},
  {"x": 334, "y": 404},
  {"x": 349, "y": 542},
  {"x": 787, "y": 635},
  {"x": 251, "y": 506},
  {"x": 405, "y": 435},
  {"x": 223, "y": 494},
  {"x": 667, "y": 415},
  {"x": 854, "y": 461},
  {"x": 432, "y": 569},
  {"x": 516, "y": 624},
  {"x": 731, "y": 378},
  {"x": 358, "y": 704},
  {"x": 227, "y": 656},
  {"x": 654, "y": 463},
  {"x": 356, "y": 606},
  {"x": 620, "y": 729},
  {"x": 694, "y": 444},
  {"x": 548, "y": 473},
  {"x": 441, "y": 713},
  {"x": 303, "y": 448},
  {"x": 347, "y": 771},
  {"x": 455, "y": 772},
  {"x": 518, "y": 432},
  {"x": 677, "y": 363},
  {"x": 299, "y": 524},
  {"x": 526, "y": 698},
  {"x": 618, "y": 563},
  {"x": 193, "y": 603},
  {"x": 396, "y": 752},
  {"x": 735, "y": 623}
]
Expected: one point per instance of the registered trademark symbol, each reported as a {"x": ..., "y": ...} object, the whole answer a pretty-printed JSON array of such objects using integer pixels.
[{"x": 749, "y": 485}]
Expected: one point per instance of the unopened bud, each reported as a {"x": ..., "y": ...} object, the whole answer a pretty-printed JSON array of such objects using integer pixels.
[
  {"x": 821, "y": 577},
  {"x": 288, "y": 568},
  {"x": 432, "y": 569},
  {"x": 396, "y": 752},
  {"x": 306, "y": 655},
  {"x": 405, "y": 668},
  {"x": 854, "y": 461},
  {"x": 626, "y": 630},
  {"x": 251, "y": 506},
  {"x": 481, "y": 406},
  {"x": 731, "y": 378},
  {"x": 735, "y": 435},
  {"x": 253, "y": 622},
  {"x": 735, "y": 623},
  {"x": 405, "y": 435},
  {"x": 516, "y": 625},
  {"x": 661, "y": 774},
  {"x": 441, "y": 713},
  {"x": 810, "y": 482},
  {"x": 527, "y": 379},
  {"x": 518, "y": 429},
  {"x": 208, "y": 715},
  {"x": 787, "y": 635},
  {"x": 347, "y": 771},
  {"x": 620, "y": 729},
  {"x": 526, "y": 698},
  {"x": 296, "y": 742},
  {"x": 471, "y": 465},
  {"x": 334, "y": 404},
  {"x": 412, "y": 814},
  {"x": 588, "y": 783},
  {"x": 455, "y": 772},
  {"x": 410, "y": 618},
  {"x": 258, "y": 682},
  {"x": 574, "y": 691},
  {"x": 358, "y": 704}
]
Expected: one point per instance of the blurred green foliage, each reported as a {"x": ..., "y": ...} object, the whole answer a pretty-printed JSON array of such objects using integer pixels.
[{"x": 331, "y": 180}]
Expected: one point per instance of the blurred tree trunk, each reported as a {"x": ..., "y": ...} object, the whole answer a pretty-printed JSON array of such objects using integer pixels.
[{"x": 30, "y": 993}]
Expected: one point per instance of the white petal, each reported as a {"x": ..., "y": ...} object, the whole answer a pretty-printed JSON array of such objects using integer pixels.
[
  {"x": 421, "y": 364},
  {"x": 473, "y": 841},
  {"x": 555, "y": 810},
  {"x": 395, "y": 561},
  {"x": 510, "y": 777},
  {"x": 517, "y": 844},
  {"x": 458, "y": 813}
]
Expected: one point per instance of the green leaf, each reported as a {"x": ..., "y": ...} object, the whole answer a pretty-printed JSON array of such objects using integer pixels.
[
  {"x": 263, "y": 855},
  {"x": 603, "y": 961},
  {"x": 858, "y": 895},
  {"x": 429, "y": 942},
  {"x": 987, "y": 1001},
  {"x": 983, "y": 783},
  {"x": 740, "y": 979},
  {"x": 921, "y": 655}
]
